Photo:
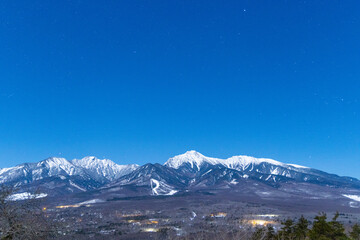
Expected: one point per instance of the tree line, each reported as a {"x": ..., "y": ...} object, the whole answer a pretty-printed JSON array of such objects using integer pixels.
[{"x": 321, "y": 229}]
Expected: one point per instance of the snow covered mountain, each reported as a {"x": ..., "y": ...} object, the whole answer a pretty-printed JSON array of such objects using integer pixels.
[
  {"x": 197, "y": 160},
  {"x": 152, "y": 179},
  {"x": 52, "y": 176},
  {"x": 182, "y": 174},
  {"x": 193, "y": 159},
  {"x": 103, "y": 169},
  {"x": 59, "y": 176},
  {"x": 194, "y": 164},
  {"x": 240, "y": 176},
  {"x": 29, "y": 172}
]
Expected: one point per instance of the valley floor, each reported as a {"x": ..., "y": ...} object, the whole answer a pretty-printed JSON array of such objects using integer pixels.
[{"x": 195, "y": 216}]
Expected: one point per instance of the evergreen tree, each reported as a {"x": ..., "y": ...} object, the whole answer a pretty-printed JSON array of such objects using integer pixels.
[
  {"x": 337, "y": 229},
  {"x": 270, "y": 234},
  {"x": 287, "y": 231},
  {"x": 301, "y": 228},
  {"x": 323, "y": 230},
  {"x": 320, "y": 228},
  {"x": 355, "y": 233}
]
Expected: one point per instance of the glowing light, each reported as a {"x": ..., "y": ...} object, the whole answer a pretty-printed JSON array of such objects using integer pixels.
[
  {"x": 150, "y": 229},
  {"x": 73, "y": 206},
  {"x": 152, "y": 222},
  {"x": 219, "y": 214},
  {"x": 256, "y": 222}
]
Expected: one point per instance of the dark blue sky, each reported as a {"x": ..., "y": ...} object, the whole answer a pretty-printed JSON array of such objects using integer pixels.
[{"x": 141, "y": 81}]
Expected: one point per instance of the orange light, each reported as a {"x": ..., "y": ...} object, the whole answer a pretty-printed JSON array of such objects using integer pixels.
[{"x": 256, "y": 222}]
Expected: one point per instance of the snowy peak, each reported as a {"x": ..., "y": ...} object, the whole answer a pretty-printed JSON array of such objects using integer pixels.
[
  {"x": 242, "y": 162},
  {"x": 91, "y": 162},
  {"x": 55, "y": 166},
  {"x": 89, "y": 169},
  {"x": 193, "y": 158},
  {"x": 195, "y": 166},
  {"x": 103, "y": 168},
  {"x": 186, "y": 172},
  {"x": 196, "y": 160}
]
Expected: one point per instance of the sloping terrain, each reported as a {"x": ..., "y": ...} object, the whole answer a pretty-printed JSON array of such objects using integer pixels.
[{"x": 240, "y": 178}]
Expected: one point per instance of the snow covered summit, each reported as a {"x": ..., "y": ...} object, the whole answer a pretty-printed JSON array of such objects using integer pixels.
[
  {"x": 106, "y": 168},
  {"x": 197, "y": 160}
]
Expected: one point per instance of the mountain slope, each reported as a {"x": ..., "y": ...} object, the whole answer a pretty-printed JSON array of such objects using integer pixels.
[
  {"x": 153, "y": 179},
  {"x": 187, "y": 173},
  {"x": 193, "y": 164},
  {"x": 55, "y": 176},
  {"x": 28, "y": 172},
  {"x": 103, "y": 170}
]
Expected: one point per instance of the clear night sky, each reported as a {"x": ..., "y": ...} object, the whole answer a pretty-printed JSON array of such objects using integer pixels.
[{"x": 141, "y": 81}]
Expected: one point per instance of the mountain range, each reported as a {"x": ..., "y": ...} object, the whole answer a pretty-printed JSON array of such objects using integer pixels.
[
  {"x": 59, "y": 176},
  {"x": 187, "y": 173}
]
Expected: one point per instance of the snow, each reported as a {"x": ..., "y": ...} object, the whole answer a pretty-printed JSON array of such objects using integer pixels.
[
  {"x": 207, "y": 172},
  {"x": 89, "y": 168},
  {"x": 8, "y": 174},
  {"x": 160, "y": 188},
  {"x": 275, "y": 171},
  {"x": 192, "y": 157},
  {"x": 4, "y": 170},
  {"x": 353, "y": 197},
  {"x": 354, "y": 205},
  {"x": 241, "y": 162},
  {"x": 157, "y": 185},
  {"x": 77, "y": 186},
  {"x": 35, "y": 171},
  {"x": 297, "y": 166},
  {"x": 25, "y": 195},
  {"x": 172, "y": 192},
  {"x": 234, "y": 182},
  {"x": 104, "y": 167},
  {"x": 193, "y": 214},
  {"x": 58, "y": 165},
  {"x": 91, "y": 201}
]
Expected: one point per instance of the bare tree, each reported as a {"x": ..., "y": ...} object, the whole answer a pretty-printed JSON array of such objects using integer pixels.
[{"x": 23, "y": 219}]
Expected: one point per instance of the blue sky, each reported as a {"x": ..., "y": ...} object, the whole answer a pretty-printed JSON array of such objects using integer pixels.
[{"x": 141, "y": 81}]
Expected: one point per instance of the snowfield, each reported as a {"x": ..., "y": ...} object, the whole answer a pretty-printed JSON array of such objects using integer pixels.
[
  {"x": 24, "y": 196},
  {"x": 353, "y": 197},
  {"x": 160, "y": 188}
]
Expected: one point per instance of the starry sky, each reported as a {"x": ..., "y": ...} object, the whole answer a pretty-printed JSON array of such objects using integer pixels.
[{"x": 141, "y": 81}]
